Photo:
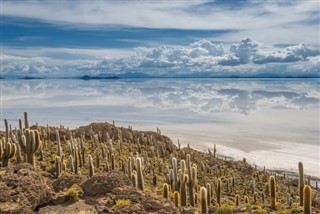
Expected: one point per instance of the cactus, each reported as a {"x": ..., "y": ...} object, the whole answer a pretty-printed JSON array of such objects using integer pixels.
[
  {"x": 175, "y": 175},
  {"x": 255, "y": 197},
  {"x": 237, "y": 200},
  {"x": 91, "y": 166},
  {"x": 233, "y": 184},
  {"x": 140, "y": 175},
  {"x": 58, "y": 166},
  {"x": 97, "y": 158},
  {"x": 134, "y": 179},
  {"x": 301, "y": 182},
  {"x": 76, "y": 159},
  {"x": 253, "y": 186},
  {"x": 165, "y": 192},
  {"x": 8, "y": 151},
  {"x": 183, "y": 190},
  {"x": 262, "y": 198},
  {"x": 113, "y": 164},
  {"x": 272, "y": 185},
  {"x": 30, "y": 144},
  {"x": 18, "y": 152},
  {"x": 192, "y": 174},
  {"x": 59, "y": 149},
  {"x": 307, "y": 196},
  {"x": 26, "y": 122},
  {"x": 183, "y": 166},
  {"x": 71, "y": 164},
  {"x": 246, "y": 199},
  {"x": 129, "y": 168},
  {"x": 208, "y": 186},
  {"x": 20, "y": 125},
  {"x": 203, "y": 201},
  {"x": 176, "y": 198},
  {"x": 219, "y": 192},
  {"x": 154, "y": 180},
  {"x": 7, "y": 130}
]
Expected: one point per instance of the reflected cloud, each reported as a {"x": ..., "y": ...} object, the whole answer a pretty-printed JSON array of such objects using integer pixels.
[{"x": 198, "y": 96}]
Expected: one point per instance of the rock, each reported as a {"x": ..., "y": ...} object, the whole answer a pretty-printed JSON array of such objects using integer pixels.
[
  {"x": 141, "y": 202},
  {"x": 23, "y": 189},
  {"x": 78, "y": 207},
  {"x": 64, "y": 182},
  {"x": 104, "y": 183}
]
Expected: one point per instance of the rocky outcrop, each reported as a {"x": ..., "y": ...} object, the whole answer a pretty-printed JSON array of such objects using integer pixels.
[{"x": 23, "y": 189}]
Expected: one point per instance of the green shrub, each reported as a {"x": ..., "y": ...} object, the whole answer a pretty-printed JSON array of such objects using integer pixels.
[{"x": 121, "y": 203}]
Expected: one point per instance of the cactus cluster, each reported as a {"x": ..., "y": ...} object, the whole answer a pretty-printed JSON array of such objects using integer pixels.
[{"x": 182, "y": 175}]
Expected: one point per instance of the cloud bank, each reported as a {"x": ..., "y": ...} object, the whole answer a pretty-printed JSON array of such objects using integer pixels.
[{"x": 202, "y": 57}]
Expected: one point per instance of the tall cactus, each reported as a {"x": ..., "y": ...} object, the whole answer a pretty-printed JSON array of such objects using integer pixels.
[
  {"x": 203, "y": 201},
  {"x": 71, "y": 164},
  {"x": 183, "y": 190},
  {"x": 140, "y": 175},
  {"x": 26, "y": 122},
  {"x": 30, "y": 144},
  {"x": 208, "y": 186},
  {"x": 192, "y": 174},
  {"x": 307, "y": 199},
  {"x": 301, "y": 182},
  {"x": 129, "y": 168},
  {"x": 113, "y": 164},
  {"x": 272, "y": 185},
  {"x": 219, "y": 192},
  {"x": 7, "y": 130},
  {"x": 59, "y": 149},
  {"x": 175, "y": 174},
  {"x": 91, "y": 166}
]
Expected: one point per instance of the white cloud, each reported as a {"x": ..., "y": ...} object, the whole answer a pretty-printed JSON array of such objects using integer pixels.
[
  {"x": 243, "y": 57},
  {"x": 267, "y": 21}
]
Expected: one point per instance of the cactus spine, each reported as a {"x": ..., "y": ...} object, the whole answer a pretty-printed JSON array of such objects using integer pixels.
[
  {"x": 140, "y": 175},
  {"x": 307, "y": 196},
  {"x": 91, "y": 167},
  {"x": 203, "y": 201},
  {"x": 301, "y": 182},
  {"x": 272, "y": 185}
]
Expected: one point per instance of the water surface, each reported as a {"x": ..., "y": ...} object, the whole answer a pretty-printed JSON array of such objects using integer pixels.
[{"x": 271, "y": 122}]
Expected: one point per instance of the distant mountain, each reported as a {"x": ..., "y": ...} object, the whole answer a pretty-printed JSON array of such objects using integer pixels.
[
  {"x": 87, "y": 77},
  {"x": 31, "y": 78}
]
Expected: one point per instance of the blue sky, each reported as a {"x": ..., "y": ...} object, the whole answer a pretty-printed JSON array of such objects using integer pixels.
[{"x": 66, "y": 38}]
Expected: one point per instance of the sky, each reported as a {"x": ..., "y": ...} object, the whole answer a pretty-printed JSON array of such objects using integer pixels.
[{"x": 160, "y": 38}]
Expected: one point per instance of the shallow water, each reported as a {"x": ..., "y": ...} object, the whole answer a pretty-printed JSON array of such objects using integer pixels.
[{"x": 271, "y": 122}]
